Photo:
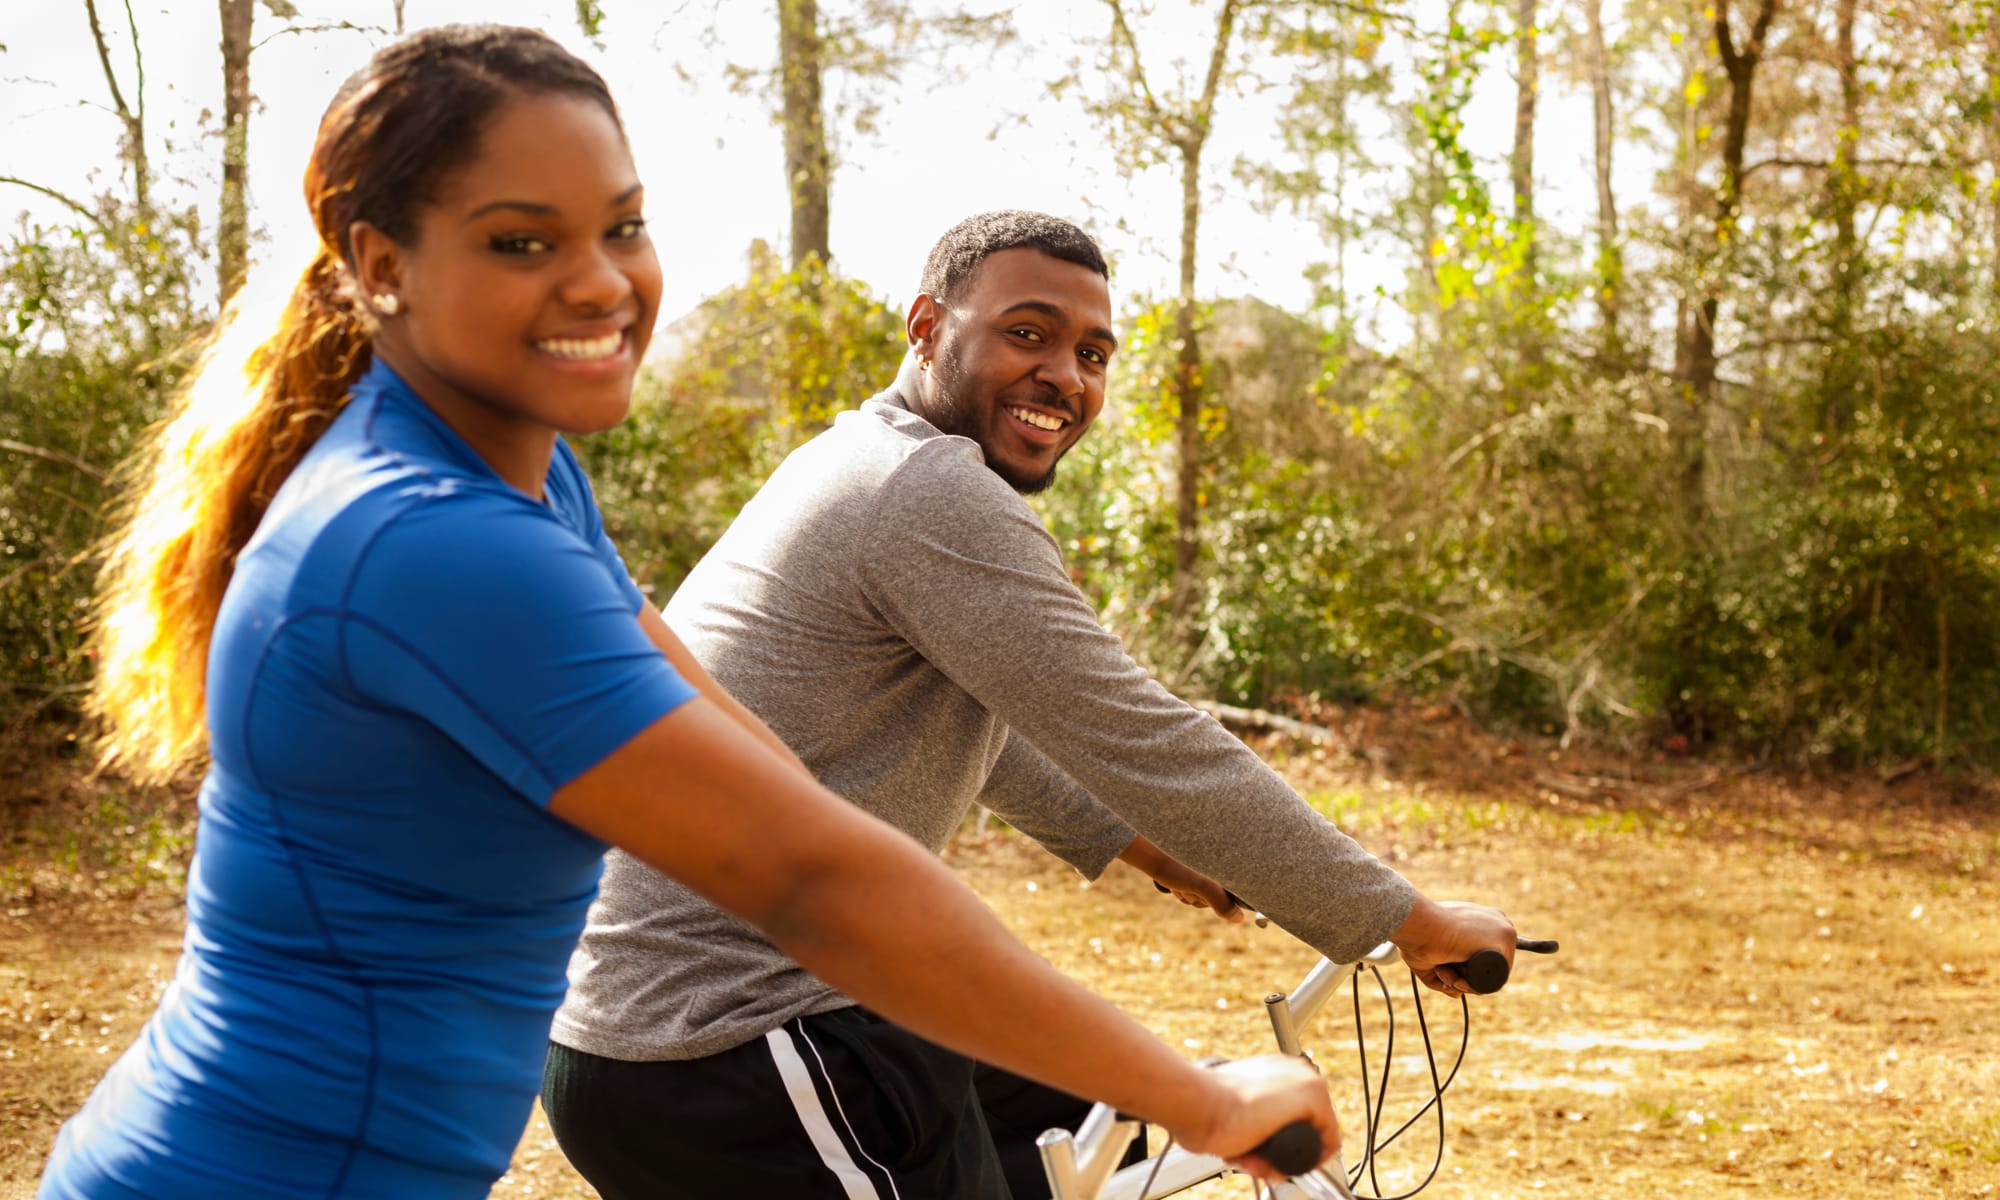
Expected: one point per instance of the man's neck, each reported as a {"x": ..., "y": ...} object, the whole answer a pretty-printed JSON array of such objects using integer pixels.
[{"x": 909, "y": 387}]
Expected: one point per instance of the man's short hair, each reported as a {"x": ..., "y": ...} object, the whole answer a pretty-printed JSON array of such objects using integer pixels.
[{"x": 965, "y": 245}]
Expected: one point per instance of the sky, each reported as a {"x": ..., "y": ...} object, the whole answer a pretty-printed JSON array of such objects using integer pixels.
[{"x": 712, "y": 158}]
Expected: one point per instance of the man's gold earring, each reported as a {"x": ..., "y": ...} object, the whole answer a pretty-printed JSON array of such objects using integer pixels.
[{"x": 387, "y": 304}]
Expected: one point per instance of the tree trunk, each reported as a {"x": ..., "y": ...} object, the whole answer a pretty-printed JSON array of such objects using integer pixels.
[
  {"x": 1843, "y": 184},
  {"x": 1993, "y": 88},
  {"x": 1191, "y": 137},
  {"x": 1940, "y": 719},
  {"x": 1187, "y": 390},
  {"x": 807, "y": 164},
  {"x": 1741, "y": 67},
  {"x": 1528, "y": 73},
  {"x": 232, "y": 234},
  {"x": 1843, "y": 176},
  {"x": 1610, "y": 257}
]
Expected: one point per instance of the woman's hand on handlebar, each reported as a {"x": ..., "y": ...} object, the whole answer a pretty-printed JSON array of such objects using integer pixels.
[
  {"x": 1438, "y": 934},
  {"x": 1255, "y": 1097}
]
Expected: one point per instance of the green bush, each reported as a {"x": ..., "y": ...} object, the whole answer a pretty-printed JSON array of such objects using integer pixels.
[{"x": 100, "y": 321}]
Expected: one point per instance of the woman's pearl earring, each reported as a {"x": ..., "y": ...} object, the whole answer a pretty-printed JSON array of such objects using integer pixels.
[{"x": 387, "y": 304}]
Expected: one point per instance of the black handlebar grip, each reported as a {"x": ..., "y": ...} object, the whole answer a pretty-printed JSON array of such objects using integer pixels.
[
  {"x": 1485, "y": 972},
  {"x": 1295, "y": 1149}
]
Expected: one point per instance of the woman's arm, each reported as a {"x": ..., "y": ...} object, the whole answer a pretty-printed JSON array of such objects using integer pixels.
[{"x": 699, "y": 796}]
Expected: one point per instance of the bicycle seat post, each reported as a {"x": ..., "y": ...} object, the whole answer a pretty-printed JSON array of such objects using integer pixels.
[
  {"x": 1078, "y": 1164},
  {"x": 1059, "y": 1163},
  {"x": 1279, "y": 1008}
]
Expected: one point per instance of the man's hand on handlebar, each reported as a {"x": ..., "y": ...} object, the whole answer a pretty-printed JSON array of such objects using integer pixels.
[{"x": 1439, "y": 935}]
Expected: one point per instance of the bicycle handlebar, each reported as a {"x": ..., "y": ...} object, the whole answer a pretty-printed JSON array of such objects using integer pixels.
[
  {"x": 1485, "y": 972},
  {"x": 1295, "y": 1149}
]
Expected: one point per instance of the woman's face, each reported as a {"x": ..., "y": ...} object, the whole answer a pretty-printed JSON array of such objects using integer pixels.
[{"x": 527, "y": 294}]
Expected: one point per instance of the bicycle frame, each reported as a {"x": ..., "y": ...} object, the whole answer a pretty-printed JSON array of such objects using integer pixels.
[{"x": 1080, "y": 1165}]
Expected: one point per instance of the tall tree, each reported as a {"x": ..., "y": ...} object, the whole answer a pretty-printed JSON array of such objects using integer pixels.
[
  {"x": 860, "y": 39},
  {"x": 1739, "y": 64},
  {"x": 232, "y": 233},
  {"x": 1180, "y": 127},
  {"x": 808, "y": 166},
  {"x": 1992, "y": 25},
  {"x": 1527, "y": 76},
  {"x": 1610, "y": 255}
]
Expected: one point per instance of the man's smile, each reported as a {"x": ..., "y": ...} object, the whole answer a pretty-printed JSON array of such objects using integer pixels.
[{"x": 1040, "y": 420}]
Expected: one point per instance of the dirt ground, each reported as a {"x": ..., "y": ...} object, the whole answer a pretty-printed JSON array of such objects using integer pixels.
[{"x": 1768, "y": 984}]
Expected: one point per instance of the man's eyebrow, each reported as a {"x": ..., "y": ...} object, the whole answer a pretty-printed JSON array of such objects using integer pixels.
[
  {"x": 1056, "y": 312},
  {"x": 535, "y": 208}
]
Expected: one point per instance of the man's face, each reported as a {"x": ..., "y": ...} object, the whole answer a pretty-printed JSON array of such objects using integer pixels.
[{"x": 1018, "y": 361}]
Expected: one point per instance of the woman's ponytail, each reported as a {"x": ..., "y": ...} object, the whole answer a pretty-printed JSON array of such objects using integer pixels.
[{"x": 194, "y": 495}]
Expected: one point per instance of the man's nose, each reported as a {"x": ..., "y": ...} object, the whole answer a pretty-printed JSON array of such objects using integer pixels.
[{"x": 1060, "y": 370}]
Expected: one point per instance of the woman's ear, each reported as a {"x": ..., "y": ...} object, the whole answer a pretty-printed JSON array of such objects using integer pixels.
[{"x": 378, "y": 268}]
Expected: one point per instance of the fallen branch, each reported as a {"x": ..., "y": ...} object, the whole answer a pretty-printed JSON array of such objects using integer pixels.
[
  {"x": 1593, "y": 787},
  {"x": 1267, "y": 722},
  {"x": 1576, "y": 787}
]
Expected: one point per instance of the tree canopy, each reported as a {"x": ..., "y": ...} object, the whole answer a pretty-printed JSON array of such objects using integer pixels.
[{"x": 1660, "y": 408}]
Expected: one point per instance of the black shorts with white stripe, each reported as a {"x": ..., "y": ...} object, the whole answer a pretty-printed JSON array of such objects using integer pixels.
[{"x": 836, "y": 1106}]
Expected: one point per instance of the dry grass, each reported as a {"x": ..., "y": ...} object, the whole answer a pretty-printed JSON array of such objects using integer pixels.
[{"x": 1766, "y": 986}]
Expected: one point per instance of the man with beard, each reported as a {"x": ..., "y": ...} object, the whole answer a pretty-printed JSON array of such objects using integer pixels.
[{"x": 895, "y": 611}]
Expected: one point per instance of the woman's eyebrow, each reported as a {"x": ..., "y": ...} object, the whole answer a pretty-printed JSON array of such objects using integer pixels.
[{"x": 536, "y": 208}]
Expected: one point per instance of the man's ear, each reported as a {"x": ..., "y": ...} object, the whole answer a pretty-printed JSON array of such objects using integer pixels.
[
  {"x": 920, "y": 327},
  {"x": 378, "y": 262}
]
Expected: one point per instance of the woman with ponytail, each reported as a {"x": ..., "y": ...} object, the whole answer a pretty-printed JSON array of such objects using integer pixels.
[{"x": 364, "y": 578}]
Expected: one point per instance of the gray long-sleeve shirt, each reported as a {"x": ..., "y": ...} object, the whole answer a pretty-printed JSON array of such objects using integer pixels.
[{"x": 900, "y": 617}]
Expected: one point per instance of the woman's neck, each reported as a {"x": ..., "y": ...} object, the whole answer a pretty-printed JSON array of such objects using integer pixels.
[{"x": 516, "y": 448}]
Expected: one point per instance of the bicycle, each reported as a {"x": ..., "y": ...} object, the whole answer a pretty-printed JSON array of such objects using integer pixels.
[{"x": 1081, "y": 1165}]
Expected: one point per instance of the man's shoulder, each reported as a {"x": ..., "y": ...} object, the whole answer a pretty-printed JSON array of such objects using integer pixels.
[{"x": 889, "y": 447}]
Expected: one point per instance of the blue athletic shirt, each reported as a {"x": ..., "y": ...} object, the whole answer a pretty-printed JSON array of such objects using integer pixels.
[{"x": 411, "y": 658}]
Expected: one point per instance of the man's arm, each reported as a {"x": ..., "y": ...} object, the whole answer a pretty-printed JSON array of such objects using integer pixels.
[
  {"x": 964, "y": 570},
  {"x": 1027, "y": 791},
  {"x": 1033, "y": 795}
]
